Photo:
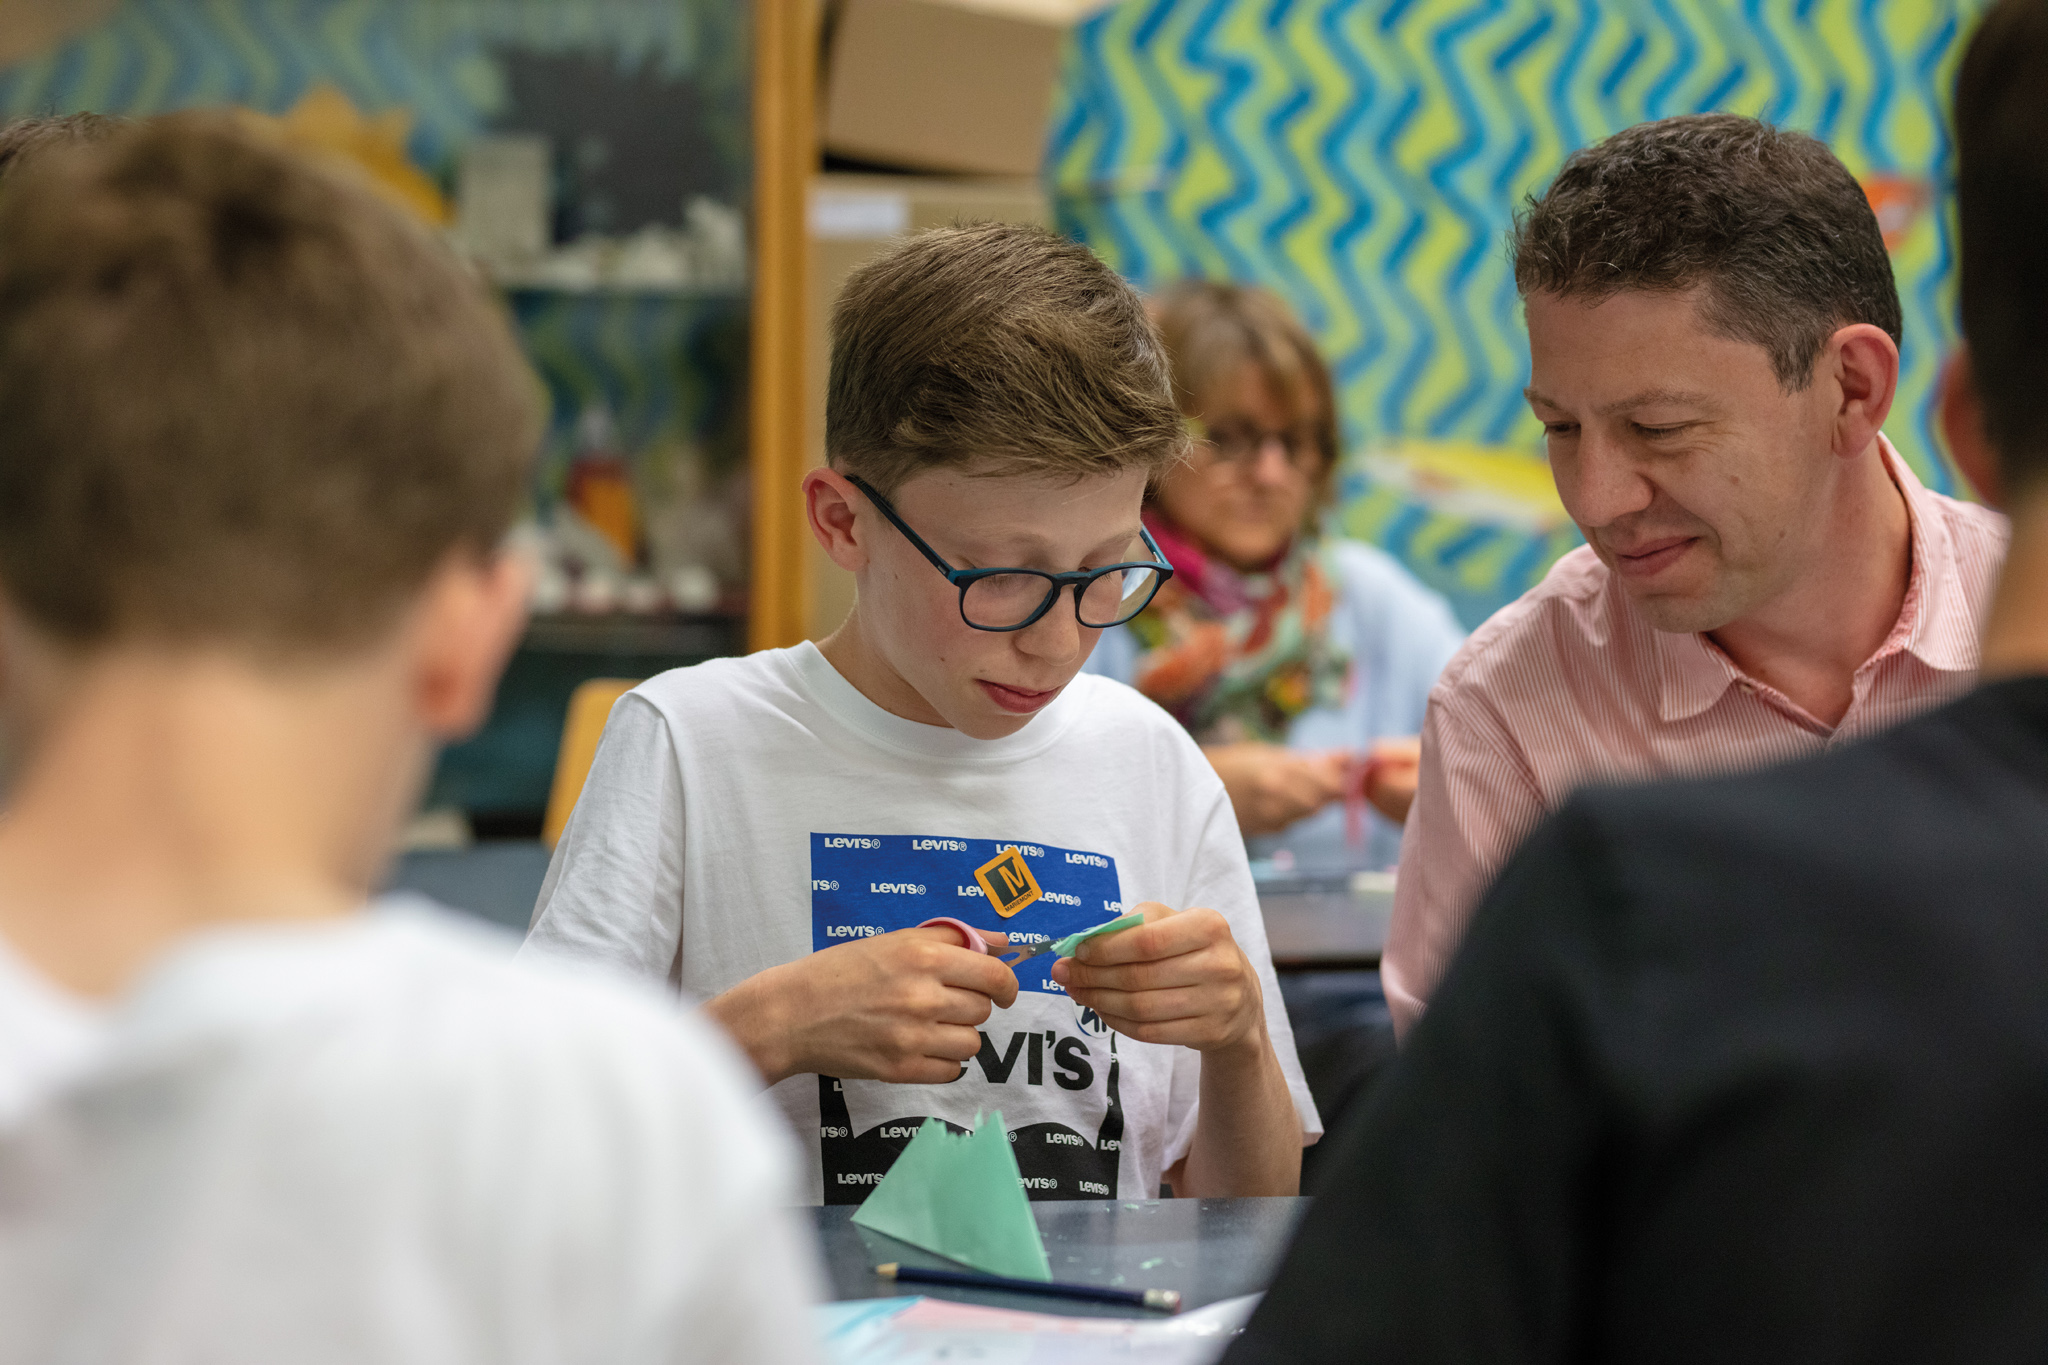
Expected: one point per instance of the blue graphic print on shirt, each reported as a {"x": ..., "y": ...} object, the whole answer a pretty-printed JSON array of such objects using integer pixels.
[{"x": 863, "y": 885}]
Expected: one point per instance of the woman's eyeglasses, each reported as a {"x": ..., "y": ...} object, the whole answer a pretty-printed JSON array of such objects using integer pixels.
[
  {"x": 1011, "y": 599},
  {"x": 1239, "y": 445}
]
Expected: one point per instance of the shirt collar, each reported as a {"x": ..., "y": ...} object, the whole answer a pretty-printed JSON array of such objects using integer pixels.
[{"x": 1935, "y": 623}]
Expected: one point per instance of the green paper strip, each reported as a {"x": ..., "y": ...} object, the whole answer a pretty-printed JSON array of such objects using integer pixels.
[
  {"x": 1066, "y": 946},
  {"x": 961, "y": 1195}
]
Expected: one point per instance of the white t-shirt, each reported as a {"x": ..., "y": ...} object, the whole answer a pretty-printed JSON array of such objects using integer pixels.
[
  {"x": 48, "y": 1037},
  {"x": 747, "y": 812},
  {"x": 380, "y": 1140}
]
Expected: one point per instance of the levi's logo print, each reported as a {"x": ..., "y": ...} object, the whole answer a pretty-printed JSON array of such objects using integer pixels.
[{"x": 1048, "y": 1064}]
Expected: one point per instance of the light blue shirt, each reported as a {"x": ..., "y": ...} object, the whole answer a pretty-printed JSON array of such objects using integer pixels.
[{"x": 1400, "y": 636}]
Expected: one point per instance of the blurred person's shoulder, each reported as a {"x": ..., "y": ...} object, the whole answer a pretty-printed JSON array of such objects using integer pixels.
[
  {"x": 384, "y": 1131},
  {"x": 1918, "y": 840},
  {"x": 418, "y": 1032}
]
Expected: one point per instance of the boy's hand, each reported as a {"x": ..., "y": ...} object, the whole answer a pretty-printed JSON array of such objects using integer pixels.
[
  {"x": 1177, "y": 978},
  {"x": 906, "y": 1006}
]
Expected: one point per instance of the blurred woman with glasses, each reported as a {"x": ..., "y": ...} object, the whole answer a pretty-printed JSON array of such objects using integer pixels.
[{"x": 1291, "y": 655}]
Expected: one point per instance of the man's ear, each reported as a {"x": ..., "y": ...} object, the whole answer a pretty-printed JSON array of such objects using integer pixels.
[
  {"x": 1962, "y": 423},
  {"x": 467, "y": 622},
  {"x": 1865, "y": 360},
  {"x": 830, "y": 502}
]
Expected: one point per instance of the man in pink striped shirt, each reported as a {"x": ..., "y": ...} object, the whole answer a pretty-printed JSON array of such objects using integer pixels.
[{"x": 1713, "y": 331}]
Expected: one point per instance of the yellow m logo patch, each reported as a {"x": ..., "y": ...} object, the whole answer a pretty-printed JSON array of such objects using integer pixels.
[{"x": 1008, "y": 882}]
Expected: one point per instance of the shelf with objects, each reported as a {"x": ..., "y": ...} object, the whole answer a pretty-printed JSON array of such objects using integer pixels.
[
  {"x": 606, "y": 206},
  {"x": 597, "y": 161}
]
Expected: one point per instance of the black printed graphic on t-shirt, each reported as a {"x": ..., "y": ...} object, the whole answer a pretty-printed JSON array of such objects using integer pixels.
[{"x": 862, "y": 885}]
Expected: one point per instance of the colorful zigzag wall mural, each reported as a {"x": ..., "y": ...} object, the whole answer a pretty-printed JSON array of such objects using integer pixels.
[{"x": 1364, "y": 159}]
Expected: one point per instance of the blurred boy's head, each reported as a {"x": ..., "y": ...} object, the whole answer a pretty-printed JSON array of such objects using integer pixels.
[
  {"x": 23, "y": 138},
  {"x": 2002, "y": 201},
  {"x": 1004, "y": 390},
  {"x": 248, "y": 412},
  {"x": 242, "y": 402}
]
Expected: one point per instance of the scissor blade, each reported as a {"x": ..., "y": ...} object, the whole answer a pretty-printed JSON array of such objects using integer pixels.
[{"x": 1016, "y": 955}]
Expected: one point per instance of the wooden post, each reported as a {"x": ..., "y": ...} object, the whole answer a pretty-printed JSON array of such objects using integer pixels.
[{"x": 785, "y": 158}]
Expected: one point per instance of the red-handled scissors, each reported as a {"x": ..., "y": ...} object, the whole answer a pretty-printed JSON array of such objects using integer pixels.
[{"x": 976, "y": 943}]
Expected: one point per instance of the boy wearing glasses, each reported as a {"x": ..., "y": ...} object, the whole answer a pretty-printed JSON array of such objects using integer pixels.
[{"x": 774, "y": 833}]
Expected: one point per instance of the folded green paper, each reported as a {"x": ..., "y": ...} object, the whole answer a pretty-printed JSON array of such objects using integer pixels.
[
  {"x": 1066, "y": 946},
  {"x": 960, "y": 1195}
]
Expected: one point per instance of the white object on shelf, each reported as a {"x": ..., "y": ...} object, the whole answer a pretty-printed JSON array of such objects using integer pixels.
[
  {"x": 550, "y": 589},
  {"x": 655, "y": 257},
  {"x": 693, "y": 587},
  {"x": 596, "y": 593},
  {"x": 707, "y": 255},
  {"x": 718, "y": 232},
  {"x": 640, "y": 594}
]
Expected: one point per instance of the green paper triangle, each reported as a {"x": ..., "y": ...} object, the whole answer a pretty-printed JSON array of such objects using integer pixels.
[{"x": 960, "y": 1195}]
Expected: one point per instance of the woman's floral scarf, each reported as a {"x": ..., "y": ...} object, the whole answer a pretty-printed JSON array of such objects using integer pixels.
[{"x": 1237, "y": 656}]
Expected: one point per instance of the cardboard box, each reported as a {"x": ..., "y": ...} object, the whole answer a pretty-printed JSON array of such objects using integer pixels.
[
  {"x": 851, "y": 218},
  {"x": 960, "y": 86}
]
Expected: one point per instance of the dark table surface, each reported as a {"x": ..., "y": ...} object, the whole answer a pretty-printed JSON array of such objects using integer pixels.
[
  {"x": 1208, "y": 1249},
  {"x": 1327, "y": 923}
]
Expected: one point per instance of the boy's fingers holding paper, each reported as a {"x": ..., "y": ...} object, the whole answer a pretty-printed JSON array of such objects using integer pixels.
[
  {"x": 1177, "y": 978},
  {"x": 1141, "y": 943}
]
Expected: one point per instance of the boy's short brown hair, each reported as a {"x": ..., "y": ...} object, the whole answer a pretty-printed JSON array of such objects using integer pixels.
[
  {"x": 1213, "y": 329},
  {"x": 242, "y": 400},
  {"x": 1769, "y": 222},
  {"x": 999, "y": 348}
]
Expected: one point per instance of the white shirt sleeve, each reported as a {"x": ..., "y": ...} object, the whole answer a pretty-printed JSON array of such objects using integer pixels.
[{"x": 614, "y": 889}]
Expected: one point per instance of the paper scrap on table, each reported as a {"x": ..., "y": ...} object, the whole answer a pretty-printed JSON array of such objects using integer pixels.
[
  {"x": 1066, "y": 946},
  {"x": 960, "y": 1195},
  {"x": 931, "y": 1331}
]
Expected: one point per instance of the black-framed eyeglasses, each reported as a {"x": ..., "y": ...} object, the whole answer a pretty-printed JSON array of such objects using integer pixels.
[{"x": 1011, "y": 599}]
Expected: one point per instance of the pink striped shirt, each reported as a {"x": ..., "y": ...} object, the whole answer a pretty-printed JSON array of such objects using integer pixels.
[{"x": 1571, "y": 684}]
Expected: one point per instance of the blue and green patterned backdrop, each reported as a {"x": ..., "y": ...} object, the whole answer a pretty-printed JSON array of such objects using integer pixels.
[{"x": 1364, "y": 158}]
